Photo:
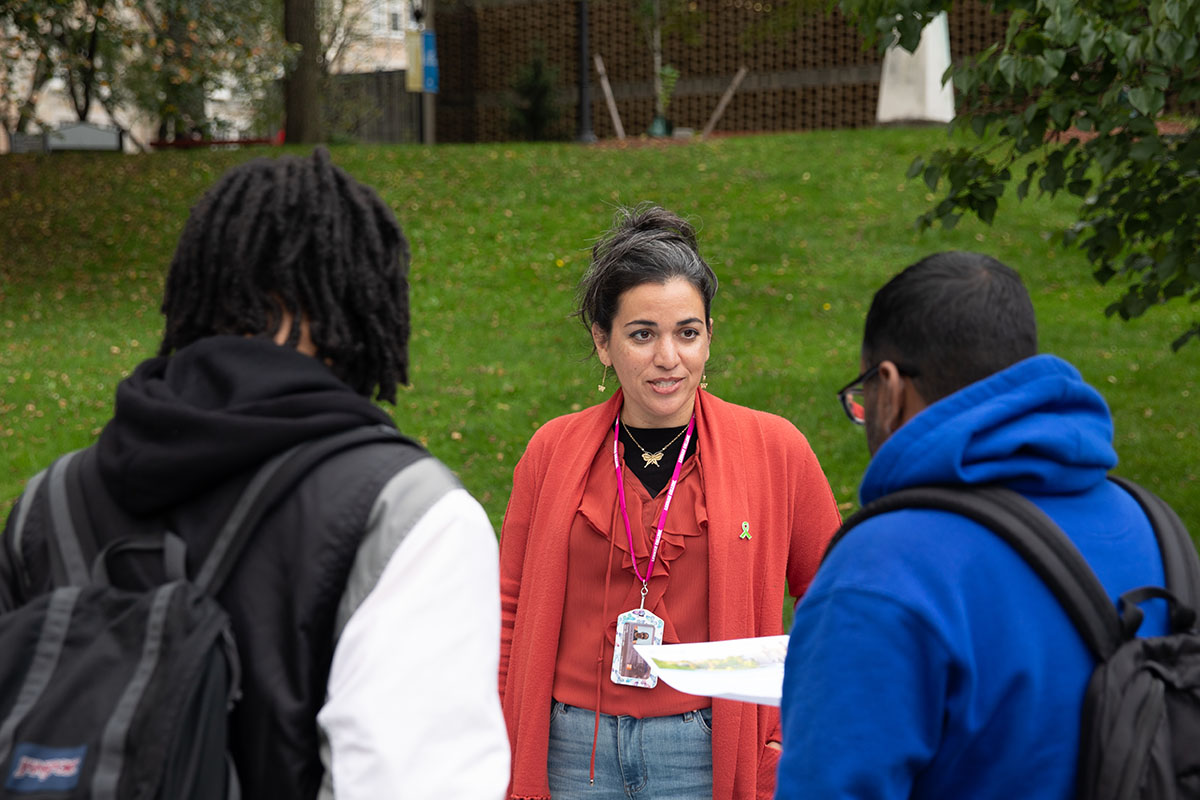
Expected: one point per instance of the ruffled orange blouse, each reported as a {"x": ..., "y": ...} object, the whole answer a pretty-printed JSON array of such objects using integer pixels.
[{"x": 598, "y": 548}]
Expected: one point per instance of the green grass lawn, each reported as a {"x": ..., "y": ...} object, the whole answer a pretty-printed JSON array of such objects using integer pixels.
[{"x": 800, "y": 228}]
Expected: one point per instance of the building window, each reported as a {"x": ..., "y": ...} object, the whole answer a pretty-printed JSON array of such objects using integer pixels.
[{"x": 397, "y": 25}]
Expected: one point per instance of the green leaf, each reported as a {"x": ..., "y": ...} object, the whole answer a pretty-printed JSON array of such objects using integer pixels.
[
  {"x": 1168, "y": 41},
  {"x": 1182, "y": 340},
  {"x": 986, "y": 210},
  {"x": 1119, "y": 42},
  {"x": 1190, "y": 48},
  {"x": 910, "y": 29},
  {"x": 1167, "y": 266},
  {"x": 914, "y": 169},
  {"x": 1158, "y": 80},
  {"x": 1145, "y": 149},
  {"x": 1049, "y": 71},
  {"x": 933, "y": 173},
  {"x": 1140, "y": 125},
  {"x": 964, "y": 79},
  {"x": 1147, "y": 100},
  {"x": 1132, "y": 305},
  {"x": 1071, "y": 29},
  {"x": 1174, "y": 11},
  {"x": 1029, "y": 70},
  {"x": 1054, "y": 7},
  {"x": 1053, "y": 174},
  {"x": 1006, "y": 65},
  {"x": 1014, "y": 25},
  {"x": 1060, "y": 114},
  {"x": 1103, "y": 275},
  {"x": 1089, "y": 43},
  {"x": 1079, "y": 188}
]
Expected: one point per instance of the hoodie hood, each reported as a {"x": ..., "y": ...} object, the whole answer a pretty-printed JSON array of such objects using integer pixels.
[
  {"x": 1035, "y": 427},
  {"x": 187, "y": 422}
]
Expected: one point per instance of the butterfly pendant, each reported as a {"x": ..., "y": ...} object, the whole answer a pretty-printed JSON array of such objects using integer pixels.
[{"x": 652, "y": 459}]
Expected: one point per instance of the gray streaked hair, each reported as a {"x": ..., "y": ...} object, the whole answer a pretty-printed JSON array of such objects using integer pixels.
[{"x": 645, "y": 244}]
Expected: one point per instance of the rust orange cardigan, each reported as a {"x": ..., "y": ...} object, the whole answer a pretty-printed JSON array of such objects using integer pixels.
[{"x": 758, "y": 469}]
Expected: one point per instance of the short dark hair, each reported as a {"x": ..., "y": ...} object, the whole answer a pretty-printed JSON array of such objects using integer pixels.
[
  {"x": 302, "y": 234},
  {"x": 646, "y": 244},
  {"x": 953, "y": 318}
]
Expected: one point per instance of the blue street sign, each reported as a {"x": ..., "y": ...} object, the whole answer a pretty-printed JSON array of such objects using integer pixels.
[{"x": 429, "y": 62}]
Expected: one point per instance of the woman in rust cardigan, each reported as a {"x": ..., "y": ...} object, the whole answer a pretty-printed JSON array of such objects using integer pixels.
[{"x": 663, "y": 514}]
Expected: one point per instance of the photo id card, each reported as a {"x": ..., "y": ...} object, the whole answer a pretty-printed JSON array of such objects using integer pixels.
[{"x": 635, "y": 627}]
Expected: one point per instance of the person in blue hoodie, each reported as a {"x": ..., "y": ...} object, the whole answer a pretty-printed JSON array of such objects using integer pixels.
[{"x": 927, "y": 660}]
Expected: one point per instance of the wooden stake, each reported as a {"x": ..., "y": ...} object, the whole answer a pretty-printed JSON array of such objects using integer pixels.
[
  {"x": 725, "y": 98},
  {"x": 608, "y": 97}
]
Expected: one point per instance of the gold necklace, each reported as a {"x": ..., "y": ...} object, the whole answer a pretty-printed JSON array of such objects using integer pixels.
[{"x": 653, "y": 459}]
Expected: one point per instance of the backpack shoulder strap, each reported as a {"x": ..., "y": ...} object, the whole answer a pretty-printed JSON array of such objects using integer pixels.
[
  {"x": 1181, "y": 563},
  {"x": 68, "y": 564},
  {"x": 15, "y": 535},
  {"x": 1036, "y": 537},
  {"x": 269, "y": 485}
]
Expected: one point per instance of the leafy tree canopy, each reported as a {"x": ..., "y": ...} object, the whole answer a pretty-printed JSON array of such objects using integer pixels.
[
  {"x": 164, "y": 57},
  {"x": 1083, "y": 97}
]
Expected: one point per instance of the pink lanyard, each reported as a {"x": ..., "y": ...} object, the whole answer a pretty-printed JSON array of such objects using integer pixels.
[{"x": 666, "y": 505}]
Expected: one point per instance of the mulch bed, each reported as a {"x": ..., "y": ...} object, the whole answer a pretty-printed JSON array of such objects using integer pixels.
[
  {"x": 641, "y": 140},
  {"x": 1167, "y": 127}
]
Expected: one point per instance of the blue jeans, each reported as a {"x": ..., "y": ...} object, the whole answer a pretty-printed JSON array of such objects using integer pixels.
[{"x": 656, "y": 758}]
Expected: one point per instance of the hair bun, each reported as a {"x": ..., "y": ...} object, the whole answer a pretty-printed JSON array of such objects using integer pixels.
[{"x": 649, "y": 218}]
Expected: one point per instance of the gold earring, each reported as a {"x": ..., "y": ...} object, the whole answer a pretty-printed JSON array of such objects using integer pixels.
[
  {"x": 603, "y": 380},
  {"x": 704, "y": 380}
]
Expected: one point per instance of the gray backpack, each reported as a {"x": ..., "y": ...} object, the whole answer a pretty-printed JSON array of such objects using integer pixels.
[{"x": 119, "y": 692}]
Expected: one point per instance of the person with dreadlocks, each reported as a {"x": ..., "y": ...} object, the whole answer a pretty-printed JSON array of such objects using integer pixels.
[{"x": 366, "y": 605}]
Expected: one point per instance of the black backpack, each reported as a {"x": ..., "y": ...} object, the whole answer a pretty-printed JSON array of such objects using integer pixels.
[
  {"x": 114, "y": 693},
  {"x": 1140, "y": 730}
]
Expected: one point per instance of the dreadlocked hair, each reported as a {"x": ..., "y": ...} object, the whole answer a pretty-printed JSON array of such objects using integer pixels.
[{"x": 302, "y": 236}]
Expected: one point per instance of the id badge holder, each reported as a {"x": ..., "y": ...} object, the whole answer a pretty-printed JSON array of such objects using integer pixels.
[{"x": 638, "y": 626}]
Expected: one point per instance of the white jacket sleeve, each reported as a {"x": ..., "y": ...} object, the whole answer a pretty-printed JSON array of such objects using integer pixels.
[{"x": 412, "y": 709}]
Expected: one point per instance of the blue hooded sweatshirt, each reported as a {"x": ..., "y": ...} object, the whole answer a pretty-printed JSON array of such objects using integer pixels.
[{"x": 927, "y": 660}]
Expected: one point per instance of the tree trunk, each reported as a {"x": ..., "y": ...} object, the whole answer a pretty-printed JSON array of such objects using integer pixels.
[
  {"x": 83, "y": 86},
  {"x": 302, "y": 86},
  {"x": 27, "y": 110}
]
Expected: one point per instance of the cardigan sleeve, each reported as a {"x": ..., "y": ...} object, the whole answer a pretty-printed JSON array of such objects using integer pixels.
[
  {"x": 815, "y": 518},
  {"x": 514, "y": 536}
]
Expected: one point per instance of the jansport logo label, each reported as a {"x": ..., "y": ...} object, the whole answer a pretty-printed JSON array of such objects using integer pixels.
[{"x": 44, "y": 769}]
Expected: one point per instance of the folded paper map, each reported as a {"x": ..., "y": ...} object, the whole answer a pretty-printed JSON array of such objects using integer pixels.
[{"x": 750, "y": 670}]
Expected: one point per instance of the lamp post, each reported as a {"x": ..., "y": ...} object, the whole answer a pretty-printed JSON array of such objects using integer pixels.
[{"x": 585, "y": 93}]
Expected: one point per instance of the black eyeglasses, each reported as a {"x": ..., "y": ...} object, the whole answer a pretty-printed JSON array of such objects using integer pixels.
[{"x": 851, "y": 395}]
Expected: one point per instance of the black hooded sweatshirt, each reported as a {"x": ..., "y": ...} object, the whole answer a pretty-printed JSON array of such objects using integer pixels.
[{"x": 188, "y": 432}]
